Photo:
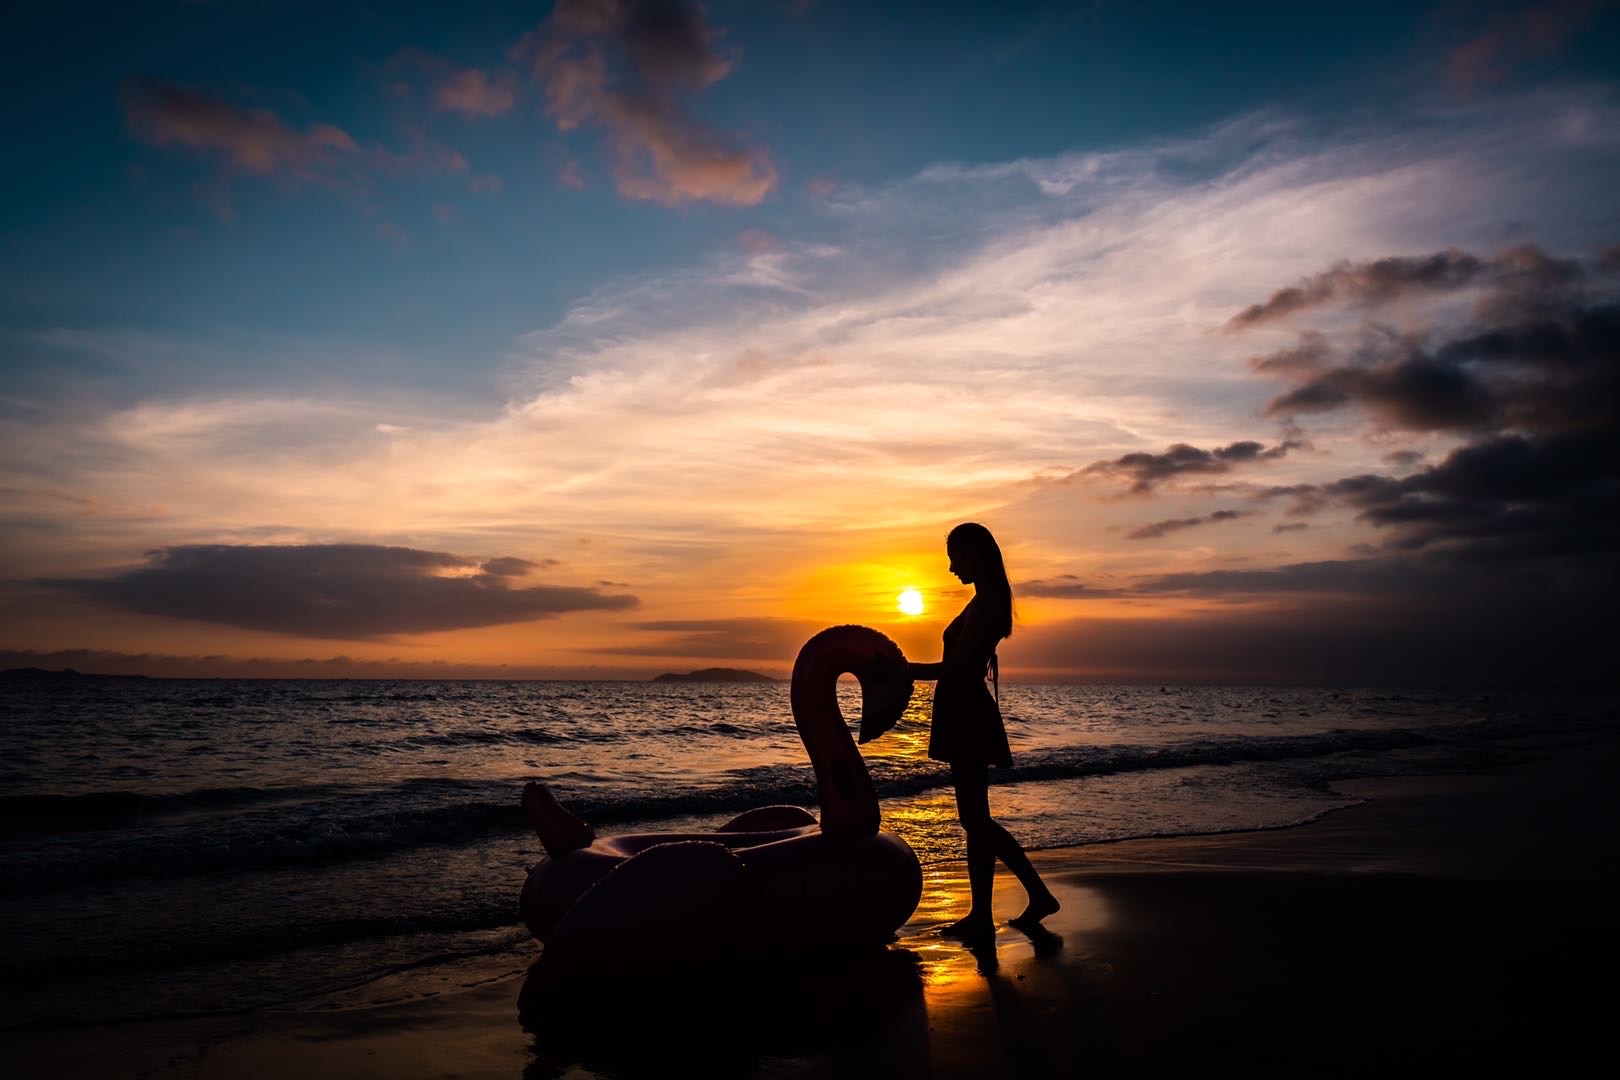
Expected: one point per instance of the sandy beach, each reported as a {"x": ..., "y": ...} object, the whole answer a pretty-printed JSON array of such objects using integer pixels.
[{"x": 1448, "y": 922}]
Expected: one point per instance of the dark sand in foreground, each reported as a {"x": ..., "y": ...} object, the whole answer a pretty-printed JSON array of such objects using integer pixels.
[{"x": 1448, "y": 923}]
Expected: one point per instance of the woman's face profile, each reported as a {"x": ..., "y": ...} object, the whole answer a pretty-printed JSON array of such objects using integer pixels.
[{"x": 961, "y": 564}]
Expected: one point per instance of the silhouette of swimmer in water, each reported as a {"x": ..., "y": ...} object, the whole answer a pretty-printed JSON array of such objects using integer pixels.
[{"x": 967, "y": 732}]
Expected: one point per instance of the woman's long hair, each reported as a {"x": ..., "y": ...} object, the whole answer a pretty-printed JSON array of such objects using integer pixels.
[
  {"x": 974, "y": 539},
  {"x": 994, "y": 588}
]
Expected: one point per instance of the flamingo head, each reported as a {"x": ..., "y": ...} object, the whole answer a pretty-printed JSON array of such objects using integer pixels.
[{"x": 885, "y": 688}]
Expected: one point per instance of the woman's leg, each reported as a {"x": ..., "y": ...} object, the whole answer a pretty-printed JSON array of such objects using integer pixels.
[
  {"x": 972, "y": 784},
  {"x": 995, "y": 842},
  {"x": 1041, "y": 901}
]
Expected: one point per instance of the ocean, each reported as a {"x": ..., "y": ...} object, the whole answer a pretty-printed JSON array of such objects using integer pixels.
[{"x": 182, "y": 847}]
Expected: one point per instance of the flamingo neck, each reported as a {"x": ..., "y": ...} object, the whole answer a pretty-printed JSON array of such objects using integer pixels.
[{"x": 849, "y": 804}]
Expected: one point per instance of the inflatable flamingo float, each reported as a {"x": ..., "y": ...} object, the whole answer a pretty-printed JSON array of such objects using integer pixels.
[{"x": 842, "y": 880}]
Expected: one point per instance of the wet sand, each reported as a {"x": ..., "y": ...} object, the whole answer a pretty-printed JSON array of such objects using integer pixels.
[{"x": 1456, "y": 922}]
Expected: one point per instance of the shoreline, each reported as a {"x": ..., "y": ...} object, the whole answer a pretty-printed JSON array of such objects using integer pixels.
[{"x": 1442, "y": 921}]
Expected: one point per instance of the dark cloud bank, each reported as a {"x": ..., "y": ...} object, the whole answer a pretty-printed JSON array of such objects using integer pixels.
[
  {"x": 1531, "y": 383},
  {"x": 1496, "y": 564},
  {"x": 340, "y": 591}
]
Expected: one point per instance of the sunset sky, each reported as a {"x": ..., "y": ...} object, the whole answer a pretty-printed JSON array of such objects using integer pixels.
[{"x": 610, "y": 338}]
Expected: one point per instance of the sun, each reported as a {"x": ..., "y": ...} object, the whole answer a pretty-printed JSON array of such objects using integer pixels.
[{"x": 911, "y": 602}]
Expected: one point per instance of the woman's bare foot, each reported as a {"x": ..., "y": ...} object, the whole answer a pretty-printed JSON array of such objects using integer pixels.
[
  {"x": 1039, "y": 908},
  {"x": 970, "y": 926},
  {"x": 559, "y": 831}
]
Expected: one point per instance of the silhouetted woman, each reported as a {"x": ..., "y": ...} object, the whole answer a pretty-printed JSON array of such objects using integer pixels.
[{"x": 967, "y": 731}]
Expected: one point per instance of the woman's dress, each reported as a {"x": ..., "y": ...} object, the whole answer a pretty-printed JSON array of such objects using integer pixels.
[{"x": 967, "y": 727}]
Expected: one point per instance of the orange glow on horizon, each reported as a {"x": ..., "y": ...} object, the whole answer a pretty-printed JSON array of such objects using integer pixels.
[{"x": 869, "y": 590}]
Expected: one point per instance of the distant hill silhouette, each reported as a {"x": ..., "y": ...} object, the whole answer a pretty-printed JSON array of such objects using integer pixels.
[
  {"x": 39, "y": 674},
  {"x": 715, "y": 674}
]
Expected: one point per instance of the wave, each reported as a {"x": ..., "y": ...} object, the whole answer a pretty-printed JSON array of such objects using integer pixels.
[
  {"x": 577, "y": 734},
  {"x": 432, "y": 811},
  {"x": 46, "y": 814},
  {"x": 516, "y": 737}
]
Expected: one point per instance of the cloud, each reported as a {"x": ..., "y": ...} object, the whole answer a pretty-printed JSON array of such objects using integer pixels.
[
  {"x": 1335, "y": 641},
  {"x": 1506, "y": 497},
  {"x": 469, "y": 92},
  {"x": 1146, "y": 471},
  {"x": 1407, "y": 389},
  {"x": 570, "y": 176},
  {"x": 1383, "y": 281},
  {"x": 941, "y": 344},
  {"x": 341, "y": 591},
  {"x": 253, "y": 141},
  {"x": 1386, "y": 620},
  {"x": 511, "y": 566},
  {"x": 1311, "y": 354},
  {"x": 472, "y": 94},
  {"x": 939, "y": 349},
  {"x": 628, "y": 67},
  {"x": 1062, "y": 587},
  {"x": 722, "y": 639},
  {"x": 1513, "y": 39},
  {"x": 1528, "y": 378},
  {"x": 1347, "y": 577},
  {"x": 1162, "y": 528},
  {"x": 248, "y": 142},
  {"x": 758, "y": 242}
]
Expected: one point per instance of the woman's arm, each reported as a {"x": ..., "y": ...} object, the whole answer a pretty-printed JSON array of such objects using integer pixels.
[{"x": 924, "y": 671}]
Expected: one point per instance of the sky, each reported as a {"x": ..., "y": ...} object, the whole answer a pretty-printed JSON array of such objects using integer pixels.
[{"x": 1276, "y": 343}]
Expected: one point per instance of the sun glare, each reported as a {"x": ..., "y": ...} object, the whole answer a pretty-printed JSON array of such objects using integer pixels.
[{"x": 911, "y": 602}]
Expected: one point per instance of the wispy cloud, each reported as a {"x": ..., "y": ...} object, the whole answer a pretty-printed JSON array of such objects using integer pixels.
[
  {"x": 254, "y": 141},
  {"x": 1062, "y": 587},
  {"x": 257, "y": 143},
  {"x": 1163, "y": 528},
  {"x": 1146, "y": 471},
  {"x": 943, "y": 347}
]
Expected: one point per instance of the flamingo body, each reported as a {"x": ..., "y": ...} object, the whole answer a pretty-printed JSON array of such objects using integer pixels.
[{"x": 840, "y": 880}]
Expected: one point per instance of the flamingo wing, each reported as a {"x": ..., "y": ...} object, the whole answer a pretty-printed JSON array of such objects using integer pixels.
[{"x": 670, "y": 898}]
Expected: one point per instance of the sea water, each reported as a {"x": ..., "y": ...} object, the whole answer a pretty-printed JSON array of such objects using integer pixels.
[{"x": 173, "y": 847}]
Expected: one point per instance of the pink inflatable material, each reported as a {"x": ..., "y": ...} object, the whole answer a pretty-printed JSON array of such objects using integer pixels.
[{"x": 843, "y": 880}]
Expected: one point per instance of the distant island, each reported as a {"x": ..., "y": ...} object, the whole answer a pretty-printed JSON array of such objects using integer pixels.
[
  {"x": 36, "y": 674},
  {"x": 715, "y": 674}
]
